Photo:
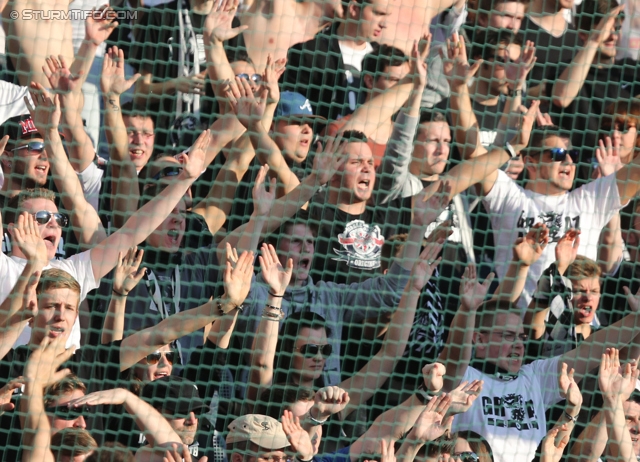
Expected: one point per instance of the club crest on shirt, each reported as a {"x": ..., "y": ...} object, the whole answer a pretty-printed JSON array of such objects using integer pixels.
[
  {"x": 510, "y": 411},
  {"x": 362, "y": 244},
  {"x": 557, "y": 223}
]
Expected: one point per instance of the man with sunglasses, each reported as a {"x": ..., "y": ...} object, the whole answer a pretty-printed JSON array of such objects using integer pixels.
[{"x": 593, "y": 80}]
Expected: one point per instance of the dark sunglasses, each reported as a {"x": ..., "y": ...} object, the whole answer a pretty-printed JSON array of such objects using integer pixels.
[
  {"x": 467, "y": 456},
  {"x": 35, "y": 146},
  {"x": 310, "y": 350},
  {"x": 154, "y": 358},
  {"x": 255, "y": 78},
  {"x": 43, "y": 217},
  {"x": 66, "y": 412},
  {"x": 560, "y": 154},
  {"x": 167, "y": 171}
]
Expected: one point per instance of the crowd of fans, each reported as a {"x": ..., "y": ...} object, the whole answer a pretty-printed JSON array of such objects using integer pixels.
[{"x": 321, "y": 230}]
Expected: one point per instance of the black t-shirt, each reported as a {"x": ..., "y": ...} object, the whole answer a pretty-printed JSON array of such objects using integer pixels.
[
  {"x": 550, "y": 50},
  {"x": 603, "y": 86},
  {"x": 156, "y": 50}
]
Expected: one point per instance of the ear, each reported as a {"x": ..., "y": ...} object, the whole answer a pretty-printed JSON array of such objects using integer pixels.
[
  {"x": 354, "y": 10},
  {"x": 368, "y": 81},
  {"x": 235, "y": 457}
]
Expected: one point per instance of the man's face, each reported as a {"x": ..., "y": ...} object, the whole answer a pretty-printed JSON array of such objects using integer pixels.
[
  {"x": 57, "y": 312},
  {"x": 264, "y": 455},
  {"x": 586, "y": 298},
  {"x": 371, "y": 18},
  {"x": 432, "y": 147},
  {"x": 503, "y": 344},
  {"x": 32, "y": 167},
  {"x": 186, "y": 427},
  {"x": 357, "y": 176},
  {"x": 51, "y": 232},
  {"x": 609, "y": 48},
  {"x": 140, "y": 131},
  {"x": 507, "y": 15},
  {"x": 294, "y": 139},
  {"x": 297, "y": 245},
  {"x": 632, "y": 416},
  {"x": 148, "y": 371},
  {"x": 309, "y": 368},
  {"x": 57, "y": 423},
  {"x": 500, "y": 68},
  {"x": 168, "y": 236},
  {"x": 559, "y": 175},
  {"x": 389, "y": 78}
]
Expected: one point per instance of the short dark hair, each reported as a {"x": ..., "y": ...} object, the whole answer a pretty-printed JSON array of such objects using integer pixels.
[
  {"x": 380, "y": 59},
  {"x": 489, "y": 311},
  {"x": 302, "y": 217},
  {"x": 487, "y": 42},
  {"x": 591, "y": 12},
  {"x": 540, "y": 134},
  {"x": 430, "y": 115},
  {"x": 354, "y": 136}
]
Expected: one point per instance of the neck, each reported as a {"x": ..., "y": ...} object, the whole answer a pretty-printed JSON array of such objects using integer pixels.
[
  {"x": 545, "y": 188},
  {"x": 414, "y": 169},
  {"x": 583, "y": 329},
  {"x": 353, "y": 209},
  {"x": 348, "y": 33}
]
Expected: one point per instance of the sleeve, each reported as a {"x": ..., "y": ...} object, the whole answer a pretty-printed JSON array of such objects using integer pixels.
[
  {"x": 601, "y": 196},
  {"x": 504, "y": 196},
  {"x": 91, "y": 180},
  {"x": 12, "y": 101},
  {"x": 545, "y": 373},
  {"x": 83, "y": 272},
  {"x": 379, "y": 293},
  {"x": 394, "y": 171}
]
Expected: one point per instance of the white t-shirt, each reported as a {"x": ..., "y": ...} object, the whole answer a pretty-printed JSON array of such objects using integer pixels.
[
  {"x": 91, "y": 180},
  {"x": 352, "y": 57},
  {"x": 510, "y": 415},
  {"x": 514, "y": 210},
  {"x": 79, "y": 266},
  {"x": 12, "y": 100}
]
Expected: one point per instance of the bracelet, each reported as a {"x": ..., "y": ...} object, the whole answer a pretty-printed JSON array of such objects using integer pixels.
[
  {"x": 270, "y": 319},
  {"x": 512, "y": 152},
  {"x": 272, "y": 316},
  {"x": 423, "y": 395},
  {"x": 570, "y": 417},
  {"x": 240, "y": 307},
  {"x": 316, "y": 421},
  {"x": 515, "y": 92},
  {"x": 118, "y": 293},
  {"x": 274, "y": 295},
  {"x": 277, "y": 308}
]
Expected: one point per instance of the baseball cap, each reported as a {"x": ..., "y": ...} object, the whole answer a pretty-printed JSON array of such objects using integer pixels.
[
  {"x": 260, "y": 429},
  {"x": 174, "y": 394},
  {"x": 295, "y": 105},
  {"x": 20, "y": 128}
]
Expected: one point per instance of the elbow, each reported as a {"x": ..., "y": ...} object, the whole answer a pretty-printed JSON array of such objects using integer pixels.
[{"x": 561, "y": 101}]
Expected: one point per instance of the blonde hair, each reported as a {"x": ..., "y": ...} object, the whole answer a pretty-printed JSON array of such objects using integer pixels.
[
  {"x": 56, "y": 279},
  {"x": 583, "y": 268}
]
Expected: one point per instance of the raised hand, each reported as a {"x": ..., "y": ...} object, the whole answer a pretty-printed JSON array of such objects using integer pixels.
[
  {"x": 456, "y": 64},
  {"x": 615, "y": 382},
  {"x": 112, "y": 79},
  {"x": 464, "y": 395},
  {"x": 273, "y": 273},
  {"x": 193, "y": 84},
  {"x": 46, "y": 113},
  {"x": 193, "y": 161},
  {"x": 426, "y": 209},
  {"x": 248, "y": 107},
  {"x": 569, "y": 389},
  {"x": 180, "y": 453},
  {"x": 426, "y": 265},
  {"x": 330, "y": 400},
  {"x": 99, "y": 25},
  {"x": 217, "y": 25},
  {"x": 297, "y": 436},
  {"x": 528, "y": 249},
  {"x": 237, "y": 280},
  {"x": 518, "y": 71},
  {"x": 328, "y": 161},
  {"x": 552, "y": 451},
  {"x": 7, "y": 391},
  {"x": 567, "y": 249},
  {"x": 128, "y": 273},
  {"x": 521, "y": 140},
  {"x": 433, "y": 376},
  {"x": 270, "y": 78},
  {"x": 472, "y": 292},
  {"x": 44, "y": 362},
  {"x": 431, "y": 423},
  {"x": 605, "y": 26},
  {"x": 26, "y": 235},
  {"x": 60, "y": 77},
  {"x": 608, "y": 156},
  {"x": 262, "y": 199},
  {"x": 419, "y": 54},
  {"x": 632, "y": 300},
  {"x": 113, "y": 396}
]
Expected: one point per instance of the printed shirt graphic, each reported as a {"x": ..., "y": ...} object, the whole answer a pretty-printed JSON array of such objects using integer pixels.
[
  {"x": 361, "y": 245},
  {"x": 511, "y": 415},
  {"x": 514, "y": 210}
]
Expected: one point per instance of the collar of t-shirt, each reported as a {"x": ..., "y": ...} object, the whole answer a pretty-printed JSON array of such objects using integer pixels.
[
  {"x": 352, "y": 57},
  {"x": 497, "y": 372}
]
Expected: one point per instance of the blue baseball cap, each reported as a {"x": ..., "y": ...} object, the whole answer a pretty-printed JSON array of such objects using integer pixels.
[{"x": 296, "y": 106}]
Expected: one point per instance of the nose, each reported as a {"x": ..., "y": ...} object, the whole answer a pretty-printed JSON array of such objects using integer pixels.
[
  {"x": 163, "y": 362},
  {"x": 80, "y": 423},
  {"x": 191, "y": 419}
]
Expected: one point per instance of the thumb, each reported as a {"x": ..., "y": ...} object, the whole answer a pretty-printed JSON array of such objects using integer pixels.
[
  {"x": 473, "y": 69},
  {"x": 133, "y": 79}
]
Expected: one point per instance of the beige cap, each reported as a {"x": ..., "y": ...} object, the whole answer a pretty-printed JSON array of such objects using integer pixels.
[{"x": 262, "y": 430}]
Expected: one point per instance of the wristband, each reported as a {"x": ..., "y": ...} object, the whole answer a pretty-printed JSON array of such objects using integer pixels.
[
  {"x": 274, "y": 295},
  {"x": 272, "y": 316},
  {"x": 118, "y": 293},
  {"x": 240, "y": 307},
  {"x": 298, "y": 459},
  {"x": 314, "y": 420},
  {"x": 277, "y": 308},
  {"x": 570, "y": 417},
  {"x": 515, "y": 93},
  {"x": 512, "y": 152},
  {"x": 423, "y": 395}
]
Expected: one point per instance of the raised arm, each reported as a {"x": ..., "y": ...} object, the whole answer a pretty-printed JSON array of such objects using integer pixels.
[
  {"x": 237, "y": 282},
  {"x": 104, "y": 256},
  {"x": 84, "y": 218},
  {"x": 568, "y": 86},
  {"x": 155, "y": 427}
]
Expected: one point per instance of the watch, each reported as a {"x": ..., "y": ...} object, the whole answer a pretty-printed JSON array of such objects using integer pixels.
[{"x": 512, "y": 152}]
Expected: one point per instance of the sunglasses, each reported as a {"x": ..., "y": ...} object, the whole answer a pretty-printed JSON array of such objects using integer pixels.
[
  {"x": 560, "y": 154},
  {"x": 35, "y": 146},
  {"x": 467, "y": 456},
  {"x": 255, "y": 78},
  {"x": 44, "y": 217},
  {"x": 154, "y": 358},
  {"x": 167, "y": 171},
  {"x": 66, "y": 412},
  {"x": 311, "y": 350}
]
